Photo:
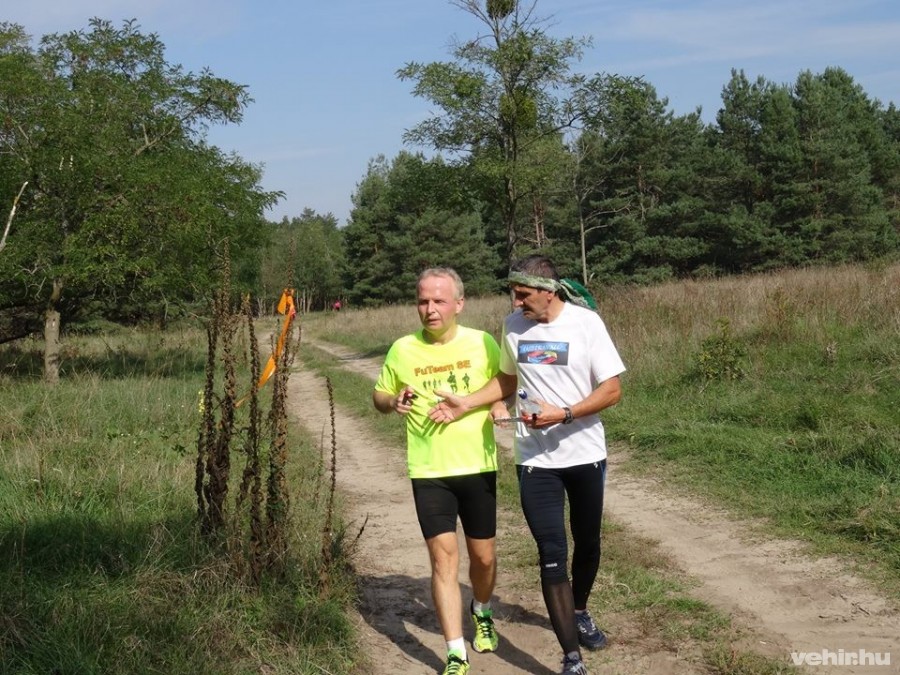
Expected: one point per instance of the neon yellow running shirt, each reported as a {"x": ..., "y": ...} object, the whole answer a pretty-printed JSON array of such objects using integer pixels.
[{"x": 462, "y": 366}]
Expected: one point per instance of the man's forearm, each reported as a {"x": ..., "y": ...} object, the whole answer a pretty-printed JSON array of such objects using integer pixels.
[
  {"x": 607, "y": 394},
  {"x": 496, "y": 389},
  {"x": 384, "y": 402}
]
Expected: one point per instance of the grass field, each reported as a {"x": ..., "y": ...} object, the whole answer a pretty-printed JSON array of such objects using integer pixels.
[{"x": 102, "y": 569}]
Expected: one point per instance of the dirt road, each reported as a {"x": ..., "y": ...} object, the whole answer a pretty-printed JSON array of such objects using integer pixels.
[{"x": 793, "y": 603}]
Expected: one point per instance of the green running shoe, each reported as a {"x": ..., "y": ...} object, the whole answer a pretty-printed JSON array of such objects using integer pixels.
[
  {"x": 486, "y": 638},
  {"x": 456, "y": 665}
]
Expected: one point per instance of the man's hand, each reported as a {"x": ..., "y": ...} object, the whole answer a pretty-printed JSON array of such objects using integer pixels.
[
  {"x": 403, "y": 402},
  {"x": 548, "y": 416},
  {"x": 452, "y": 407},
  {"x": 500, "y": 415},
  {"x": 400, "y": 403}
]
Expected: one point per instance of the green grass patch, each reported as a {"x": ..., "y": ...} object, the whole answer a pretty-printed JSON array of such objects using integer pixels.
[
  {"x": 806, "y": 440},
  {"x": 102, "y": 567}
]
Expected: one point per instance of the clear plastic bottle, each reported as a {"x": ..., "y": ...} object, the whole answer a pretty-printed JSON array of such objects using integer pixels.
[{"x": 527, "y": 406}]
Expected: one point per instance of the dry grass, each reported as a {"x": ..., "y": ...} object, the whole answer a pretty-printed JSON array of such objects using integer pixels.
[{"x": 673, "y": 315}]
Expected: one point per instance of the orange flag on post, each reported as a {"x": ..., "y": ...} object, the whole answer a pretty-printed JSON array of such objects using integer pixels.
[{"x": 286, "y": 307}]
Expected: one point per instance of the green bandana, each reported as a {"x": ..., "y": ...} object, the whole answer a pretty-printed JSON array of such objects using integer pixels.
[{"x": 568, "y": 289}]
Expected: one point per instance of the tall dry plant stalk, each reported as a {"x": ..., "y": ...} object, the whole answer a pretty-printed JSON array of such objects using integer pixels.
[
  {"x": 277, "y": 494},
  {"x": 219, "y": 464},
  {"x": 256, "y": 532},
  {"x": 251, "y": 481},
  {"x": 213, "y": 443},
  {"x": 207, "y": 426},
  {"x": 328, "y": 525},
  {"x": 335, "y": 545}
]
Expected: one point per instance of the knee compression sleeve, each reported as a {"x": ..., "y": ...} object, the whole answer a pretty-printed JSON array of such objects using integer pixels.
[{"x": 553, "y": 561}]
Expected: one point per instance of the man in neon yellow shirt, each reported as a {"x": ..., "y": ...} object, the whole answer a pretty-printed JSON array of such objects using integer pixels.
[{"x": 453, "y": 468}]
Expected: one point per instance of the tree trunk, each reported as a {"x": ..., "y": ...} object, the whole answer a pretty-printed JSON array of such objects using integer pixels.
[
  {"x": 51, "y": 336},
  {"x": 584, "y": 273},
  {"x": 512, "y": 232},
  {"x": 537, "y": 212}
]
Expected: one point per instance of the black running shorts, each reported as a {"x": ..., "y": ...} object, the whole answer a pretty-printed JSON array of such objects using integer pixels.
[{"x": 472, "y": 498}]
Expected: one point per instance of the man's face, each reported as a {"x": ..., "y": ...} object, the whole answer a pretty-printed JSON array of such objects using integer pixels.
[
  {"x": 535, "y": 302},
  {"x": 437, "y": 305}
]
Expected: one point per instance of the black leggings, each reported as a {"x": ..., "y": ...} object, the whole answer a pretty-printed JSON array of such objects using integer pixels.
[{"x": 542, "y": 493}]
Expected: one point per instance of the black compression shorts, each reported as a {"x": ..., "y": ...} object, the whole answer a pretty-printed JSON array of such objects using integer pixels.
[{"x": 472, "y": 498}]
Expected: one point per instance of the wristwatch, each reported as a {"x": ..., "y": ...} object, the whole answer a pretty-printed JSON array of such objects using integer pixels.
[{"x": 569, "y": 417}]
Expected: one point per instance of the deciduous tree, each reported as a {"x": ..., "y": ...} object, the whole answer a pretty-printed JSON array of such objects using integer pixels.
[
  {"x": 126, "y": 201},
  {"x": 505, "y": 91},
  {"x": 308, "y": 253}
]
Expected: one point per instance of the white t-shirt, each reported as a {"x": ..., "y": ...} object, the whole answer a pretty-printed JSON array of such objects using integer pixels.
[{"x": 560, "y": 362}]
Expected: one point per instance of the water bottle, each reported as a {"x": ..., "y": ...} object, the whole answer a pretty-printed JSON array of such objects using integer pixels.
[{"x": 527, "y": 406}]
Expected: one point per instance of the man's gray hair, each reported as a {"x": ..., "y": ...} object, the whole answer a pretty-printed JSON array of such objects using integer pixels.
[
  {"x": 536, "y": 266},
  {"x": 444, "y": 272}
]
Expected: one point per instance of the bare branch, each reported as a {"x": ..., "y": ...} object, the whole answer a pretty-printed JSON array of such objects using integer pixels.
[
  {"x": 12, "y": 213},
  {"x": 150, "y": 142}
]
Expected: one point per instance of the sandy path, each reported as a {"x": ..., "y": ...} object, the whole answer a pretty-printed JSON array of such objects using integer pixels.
[
  {"x": 396, "y": 616},
  {"x": 795, "y": 603}
]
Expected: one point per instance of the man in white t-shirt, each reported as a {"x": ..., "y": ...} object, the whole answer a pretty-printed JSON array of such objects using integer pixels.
[{"x": 557, "y": 352}]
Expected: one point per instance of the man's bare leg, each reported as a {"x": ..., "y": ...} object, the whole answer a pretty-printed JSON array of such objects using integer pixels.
[
  {"x": 482, "y": 567},
  {"x": 444, "y": 552}
]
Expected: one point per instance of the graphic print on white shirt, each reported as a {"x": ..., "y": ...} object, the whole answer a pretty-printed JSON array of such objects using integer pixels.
[{"x": 537, "y": 352}]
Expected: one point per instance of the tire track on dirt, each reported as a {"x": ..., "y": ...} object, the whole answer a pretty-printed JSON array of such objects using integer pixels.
[{"x": 794, "y": 602}]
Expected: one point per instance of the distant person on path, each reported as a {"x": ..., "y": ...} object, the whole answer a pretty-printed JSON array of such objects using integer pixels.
[
  {"x": 556, "y": 350},
  {"x": 453, "y": 469},
  {"x": 336, "y": 306}
]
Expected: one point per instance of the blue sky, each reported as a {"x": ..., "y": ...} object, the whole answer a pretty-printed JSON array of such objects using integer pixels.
[{"x": 323, "y": 73}]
